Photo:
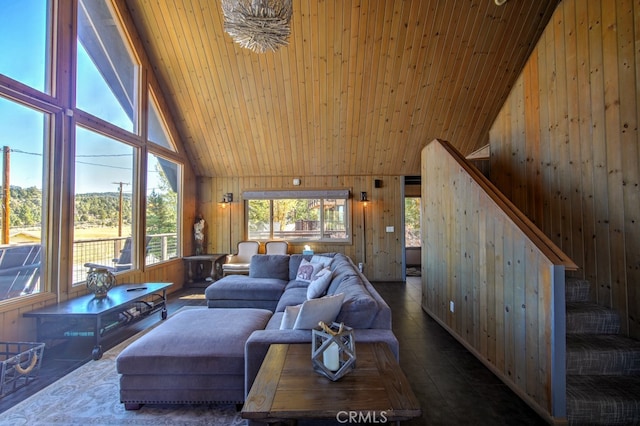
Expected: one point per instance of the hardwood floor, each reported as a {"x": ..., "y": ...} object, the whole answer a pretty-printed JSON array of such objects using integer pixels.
[{"x": 453, "y": 387}]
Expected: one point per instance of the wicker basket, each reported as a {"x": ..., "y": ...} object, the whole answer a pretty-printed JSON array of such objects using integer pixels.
[{"x": 19, "y": 364}]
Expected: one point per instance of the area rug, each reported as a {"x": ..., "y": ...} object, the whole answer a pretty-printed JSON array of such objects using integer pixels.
[{"x": 89, "y": 395}]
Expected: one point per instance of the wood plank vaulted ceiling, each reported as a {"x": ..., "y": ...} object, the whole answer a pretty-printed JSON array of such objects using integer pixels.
[{"x": 362, "y": 86}]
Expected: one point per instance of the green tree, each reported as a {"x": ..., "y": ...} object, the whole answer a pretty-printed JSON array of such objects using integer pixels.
[
  {"x": 162, "y": 213},
  {"x": 412, "y": 221}
]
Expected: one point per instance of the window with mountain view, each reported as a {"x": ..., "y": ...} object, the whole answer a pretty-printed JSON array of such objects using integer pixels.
[
  {"x": 24, "y": 132},
  {"x": 94, "y": 202},
  {"x": 163, "y": 183},
  {"x": 104, "y": 194}
]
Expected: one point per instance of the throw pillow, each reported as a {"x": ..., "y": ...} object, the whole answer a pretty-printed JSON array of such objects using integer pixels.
[
  {"x": 307, "y": 270},
  {"x": 315, "y": 310},
  {"x": 289, "y": 317},
  {"x": 324, "y": 260},
  {"x": 319, "y": 283}
]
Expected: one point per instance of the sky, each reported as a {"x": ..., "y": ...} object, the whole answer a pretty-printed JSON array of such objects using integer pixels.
[{"x": 101, "y": 163}]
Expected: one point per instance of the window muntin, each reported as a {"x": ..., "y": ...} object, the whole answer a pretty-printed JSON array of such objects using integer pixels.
[
  {"x": 24, "y": 132},
  {"x": 107, "y": 74},
  {"x": 157, "y": 130},
  {"x": 103, "y": 203},
  {"x": 303, "y": 218},
  {"x": 25, "y": 42},
  {"x": 163, "y": 186}
]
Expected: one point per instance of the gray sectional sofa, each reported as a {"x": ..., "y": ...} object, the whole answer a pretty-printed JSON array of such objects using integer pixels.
[
  {"x": 213, "y": 355},
  {"x": 272, "y": 284}
]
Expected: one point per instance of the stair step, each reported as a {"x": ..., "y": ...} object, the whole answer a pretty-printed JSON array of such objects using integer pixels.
[
  {"x": 576, "y": 290},
  {"x": 590, "y": 318},
  {"x": 605, "y": 354},
  {"x": 603, "y": 400}
]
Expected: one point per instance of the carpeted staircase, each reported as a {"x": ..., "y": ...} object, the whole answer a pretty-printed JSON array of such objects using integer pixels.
[{"x": 603, "y": 367}]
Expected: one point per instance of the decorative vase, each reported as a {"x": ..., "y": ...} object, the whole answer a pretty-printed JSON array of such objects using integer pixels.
[{"x": 100, "y": 281}]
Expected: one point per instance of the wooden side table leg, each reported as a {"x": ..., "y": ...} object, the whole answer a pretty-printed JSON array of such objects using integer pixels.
[
  {"x": 190, "y": 271},
  {"x": 212, "y": 272}
]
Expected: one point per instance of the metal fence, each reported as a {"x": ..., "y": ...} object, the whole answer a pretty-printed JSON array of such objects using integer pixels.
[{"x": 116, "y": 253}]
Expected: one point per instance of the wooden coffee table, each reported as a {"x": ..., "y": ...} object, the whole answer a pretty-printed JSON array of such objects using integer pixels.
[{"x": 286, "y": 388}]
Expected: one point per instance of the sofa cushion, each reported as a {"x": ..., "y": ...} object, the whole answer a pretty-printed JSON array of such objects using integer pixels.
[
  {"x": 342, "y": 268},
  {"x": 194, "y": 341},
  {"x": 292, "y": 296},
  {"x": 359, "y": 307},
  {"x": 275, "y": 321},
  {"x": 315, "y": 310},
  {"x": 296, "y": 284},
  {"x": 234, "y": 287},
  {"x": 324, "y": 260},
  {"x": 319, "y": 284},
  {"x": 269, "y": 266}
]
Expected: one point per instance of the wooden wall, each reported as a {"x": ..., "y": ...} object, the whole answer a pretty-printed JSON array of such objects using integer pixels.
[
  {"x": 383, "y": 250},
  {"x": 503, "y": 279},
  {"x": 565, "y": 146}
]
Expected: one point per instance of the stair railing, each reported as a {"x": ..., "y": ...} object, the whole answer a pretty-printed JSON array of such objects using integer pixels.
[{"x": 493, "y": 279}]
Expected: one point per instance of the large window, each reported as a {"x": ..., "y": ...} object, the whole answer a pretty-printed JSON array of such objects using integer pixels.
[
  {"x": 298, "y": 215},
  {"x": 24, "y": 132},
  {"x": 72, "y": 167},
  {"x": 158, "y": 133},
  {"x": 25, "y": 42},
  {"x": 107, "y": 84},
  {"x": 104, "y": 194},
  {"x": 163, "y": 178}
]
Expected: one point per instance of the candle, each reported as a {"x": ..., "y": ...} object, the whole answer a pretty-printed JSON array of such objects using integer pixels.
[{"x": 331, "y": 357}]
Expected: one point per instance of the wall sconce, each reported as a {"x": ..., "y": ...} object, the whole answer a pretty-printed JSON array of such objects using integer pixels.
[
  {"x": 363, "y": 198},
  {"x": 226, "y": 199}
]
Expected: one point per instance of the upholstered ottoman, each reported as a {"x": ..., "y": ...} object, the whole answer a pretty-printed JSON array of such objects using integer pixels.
[{"x": 196, "y": 356}]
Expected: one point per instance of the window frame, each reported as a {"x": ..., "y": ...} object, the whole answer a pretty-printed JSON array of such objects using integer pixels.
[
  {"x": 322, "y": 195},
  {"x": 50, "y": 139},
  {"x": 179, "y": 203},
  {"x": 58, "y": 100}
]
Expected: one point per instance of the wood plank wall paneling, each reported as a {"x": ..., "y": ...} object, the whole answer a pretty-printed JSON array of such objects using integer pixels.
[
  {"x": 500, "y": 282},
  {"x": 581, "y": 175},
  {"x": 226, "y": 226}
]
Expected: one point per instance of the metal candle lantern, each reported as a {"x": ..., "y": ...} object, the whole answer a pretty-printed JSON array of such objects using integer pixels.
[{"x": 333, "y": 350}]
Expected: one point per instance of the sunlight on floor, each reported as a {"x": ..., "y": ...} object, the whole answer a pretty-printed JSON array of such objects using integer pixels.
[{"x": 192, "y": 297}]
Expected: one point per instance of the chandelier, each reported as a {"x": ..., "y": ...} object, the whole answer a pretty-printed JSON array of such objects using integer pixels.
[{"x": 259, "y": 25}]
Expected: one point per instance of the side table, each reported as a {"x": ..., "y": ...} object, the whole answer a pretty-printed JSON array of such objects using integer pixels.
[
  {"x": 287, "y": 389},
  {"x": 195, "y": 262}
]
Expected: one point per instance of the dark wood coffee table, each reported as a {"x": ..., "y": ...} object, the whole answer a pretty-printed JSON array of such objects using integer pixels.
[
  {"x": 95, "y": 318},
  {"x": 286, "y": 388}
]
